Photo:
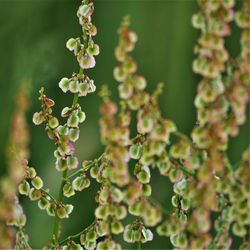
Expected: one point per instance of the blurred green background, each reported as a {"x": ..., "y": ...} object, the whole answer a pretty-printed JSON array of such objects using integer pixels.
[{"x": 33, "y": 34}]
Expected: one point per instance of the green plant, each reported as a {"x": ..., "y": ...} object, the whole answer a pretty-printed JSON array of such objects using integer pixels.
[{"x": 205, "y": 183}]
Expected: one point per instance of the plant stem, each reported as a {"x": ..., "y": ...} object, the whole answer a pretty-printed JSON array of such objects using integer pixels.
[
  {"x": 56, "y": 221},
  {"x": 139, "y": 245},
  {"x": 23, "y": 237},
  {"x": 186, "y": 171},
  {"x": 76, "y": 235}
]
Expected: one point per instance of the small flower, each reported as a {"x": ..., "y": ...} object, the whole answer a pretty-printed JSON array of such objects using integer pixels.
[
  {"x": 74, "y": 134},
  {"x": 71, "y": 44},
  {"x": 38, "y": 118},
  {"x": 86, "y": 10},
  {"x": 24, "y": 188},
  {"x": 53, "y": 122},
  {"x": 37, "y": 182},
  {"x": 68, "y": 190},
  {"x": 73, "y": 86},
  {"x": 35, "y": 194},
  {"x": 43, "y": 203},
  {"x": 87, "y": 62},
  {"x": 64, "y": 84},
  {"x": 116, "y": 227},
  {"x": 93, "y": 50}
]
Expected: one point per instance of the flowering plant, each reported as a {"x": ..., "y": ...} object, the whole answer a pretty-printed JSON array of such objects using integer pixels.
[{"x": 205, "y": 184}]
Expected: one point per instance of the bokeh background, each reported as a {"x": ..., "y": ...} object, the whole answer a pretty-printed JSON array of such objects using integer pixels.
[{"x": 32, "y": 50}]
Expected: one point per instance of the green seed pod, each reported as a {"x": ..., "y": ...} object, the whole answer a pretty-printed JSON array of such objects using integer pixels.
[
  {"x": 125, "y": 90},
  {"x": 91, "y": 235},
  {"x": 128, "y": 234},
  {"x": 185, "y": 203},
  {"x": 120, "y": 212},
  {"x": 119, "y": 74},
  {"x": 64, "y": 84},
  {"x": 73, "y": 86},
  {"x": 73, "y": 121},
  {"x": 68, "y": 191},
  {"x": 43, "y": 203},
  {"x": 80, "y": 183},
  {"x": 61, "y": 164},
  {"x": 51, "y": 209},
  {"x": 37, "y": 182},
  {"x": 66, "y": 111},
  {"x": 145, "y": 125},
  {"x": 38, "y": 118},
  {"x": 93, "y": 50},
  {"x": 61, "y": 212},
  {"x": 116, "y": 227},
  {"x": 94, "y": 171},
  {"x": 101, "y": 212},
  {"x": 75, "y": 246},
  {"x": 86, "y": 10},
  {"x": 90, "y": 245},
  {"x": 87, "y": 62},
  {"x": 81, "y": 116},
  {"x": 102, "y": 228},
  {"x": 24, "y": 188},
  {"x": 136, "y": 235},
  {"x": 117, "y": 195},
  {"x": 69, "y": 208},
  {"x": 35, "y": 194},
  {"x": 72, "y": 162},
  {"x": 74, "y": 134},
  {"x": 140, "y": 82},
  {"x": 144, "y": 175},
  {"x": 147, "y": 190},
  {"x": 71, "y": 45},
  {"x": 239, "y": 230},
  {"x": 162, "y": 230},
  {"x": 175, "y": 201},
  {"x": 53, "y": 122},
  {"x": 31, "y": 172},
  {"x": 135, "y": 151},
  {"x": 147, "y": 235},
  {"x": 83, "y": 88},
  {"x": 63, "y": 130}
]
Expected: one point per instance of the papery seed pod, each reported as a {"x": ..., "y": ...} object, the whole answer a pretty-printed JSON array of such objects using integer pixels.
[
  {"x": 87, "y": 62},
  {"x": 101, "y": 212},
  {"x": 120, "y": 212},
  {"x": 68, "y": 190},
  {"x": 125, "y": 91},
  {"x": 38, "y": 118},
  {"x": 147, "y": 235},
  {"x": 119, "y": 74},
  {"x": 102, "y": 228},
  {"x": 74, "y": 134},
  {"x": 140, "y": 82},
  {"x": 64, "y": 84},
  {"x": 63, "y": 130},
  {"x": 135, "y": 151},
  {"x": 147, "y": 190},
  {"x": 83, "y": 88},
  {"x": 72, "y": 162},
  {"x": 93, "y": 50},
  {"x": 24, "y": 188},
  {"x": 35, "y": 194},
  {"x": 51, "y": 209},
  {"x": 86, "y": 10},
  {"x": 73, "y": 121},
  {"x": 71, "y": 44},
  {"x": 66, "y": 112},
  {"x": 37, "y": 182},
  {"x": 61, "y": 212},
  {"x": 128, "y": 234},
  {"x": 69, "y": 208},
  {"x": 53, "y": 122},
  {"x": 73, "y": 86},
  {"x": 239, "y": 230},
  {"x": 31, "y": 173},
  {"x": 80, "y": 183},
  {"x": 81, "y": 116},
  {"x": 61, "y": 164},
  {"x": 116, "y": 227},
  {"x": 91, "y": 235},
  {"x": 43, "y": 203}
]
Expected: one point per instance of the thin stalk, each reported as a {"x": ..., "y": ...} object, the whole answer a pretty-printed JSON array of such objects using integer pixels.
[
  {"x": 186, "y": 171},
  {"x": 139, "y": 245},
  {"x": 60, "y": 195},
  {"x": 23, "y": 237},
  {"x": 76, "y": 235}
]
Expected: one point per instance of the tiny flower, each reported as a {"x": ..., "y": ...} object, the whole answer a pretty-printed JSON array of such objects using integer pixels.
[
  {"x": 24, "y": 188},
  {"x": 53, "y": 122},
  {"x": 81, "y": 115},
  {"x": 147, "y": 190},
  {"x": 71, "y": 44},
  {"x": 61, "y": 164},
  {"x": 63, "y": 130},
  {"x": 31, "y": 172},
  {"x": 80, "y": 183},
  {"x": 37, "y": 182},
  {"x": 38, "y": 118}
]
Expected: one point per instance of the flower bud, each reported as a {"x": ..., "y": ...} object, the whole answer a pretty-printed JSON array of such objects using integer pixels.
[
  {"x": 24, "y": 188},
  {"x": 64, "y": 84},
  {"x": 68, "y": 191},
  {"x": 53, "y": 122},
  {"x": 38, "y": 118},
  {"x": 35, "y": 194},
  {"x": 37, "y": 182}
]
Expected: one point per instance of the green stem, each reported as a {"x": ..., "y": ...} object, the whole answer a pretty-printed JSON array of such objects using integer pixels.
[
  {"x": 48, "y": 194},
  {"x": 186, "y": 171},
  {"x": 60, "y": 195},
  {"x": 76, "y": 235},
  {"x": 23, "y": 237},
  {"x": 139, "y": 245}
]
